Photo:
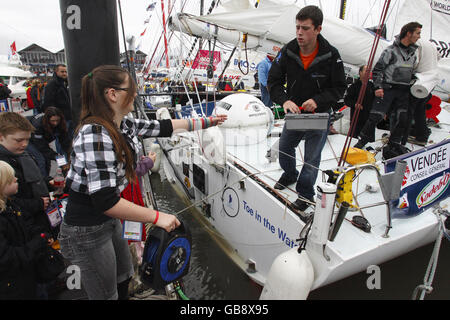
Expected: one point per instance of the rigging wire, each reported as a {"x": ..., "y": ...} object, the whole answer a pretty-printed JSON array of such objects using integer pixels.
[
  {"x": 244, "y": 39},
  {"x": 137, "y": 107},
  {"x": 194, "y": 44},
  {"x": 145, "y": 71},
  {"x": 365, "y": 80},
  {"x": 124, "y": 39}
]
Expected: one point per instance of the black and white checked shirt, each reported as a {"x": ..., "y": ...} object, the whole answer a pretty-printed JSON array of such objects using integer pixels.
[{"x": 93, "y": 161}]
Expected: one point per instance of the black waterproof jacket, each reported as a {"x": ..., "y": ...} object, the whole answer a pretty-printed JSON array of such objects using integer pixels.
[
  {"x": 56, "y": 94},
  {"x": 324, "y": 80},
  {"x": 20, "y": 243},
  {"x": 31, "y": 188},
  {"x": 4, "y": 91}
]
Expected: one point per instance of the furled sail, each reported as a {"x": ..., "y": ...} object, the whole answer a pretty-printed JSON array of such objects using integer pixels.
[{"x": 268, "y": 27}]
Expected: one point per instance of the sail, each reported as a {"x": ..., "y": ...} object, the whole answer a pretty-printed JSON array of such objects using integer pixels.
[
  {"x": 270, "y": 26},
  {"x": 273, "y": 26}
]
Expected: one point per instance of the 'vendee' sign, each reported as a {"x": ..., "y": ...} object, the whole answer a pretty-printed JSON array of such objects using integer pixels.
[
  {"x": 426, "y": 179},
  {"x": 425, "y": 164}
]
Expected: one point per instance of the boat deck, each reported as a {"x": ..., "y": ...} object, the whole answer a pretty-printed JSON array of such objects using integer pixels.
[
  {"x": 259, "y": 217},
  {"x": 351, "y": 242}
]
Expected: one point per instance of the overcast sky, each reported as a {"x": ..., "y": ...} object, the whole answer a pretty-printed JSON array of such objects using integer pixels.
[{"x": 39, "y": 21}]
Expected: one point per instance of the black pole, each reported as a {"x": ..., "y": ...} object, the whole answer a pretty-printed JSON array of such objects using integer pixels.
[{"x": 91, "y": 39}]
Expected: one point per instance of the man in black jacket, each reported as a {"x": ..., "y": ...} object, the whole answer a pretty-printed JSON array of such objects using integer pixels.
[
  {"x": 56, "y": 94},
  {"x": 351, "y": 98},
  {"x": 315, "y": 77},
  {"x": 4, "y": 90}
]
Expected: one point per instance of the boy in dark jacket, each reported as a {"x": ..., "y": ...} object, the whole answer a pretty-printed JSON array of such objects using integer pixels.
[
  {"x": 33, "y": 195},
  {"x": 314, "y": 72}
]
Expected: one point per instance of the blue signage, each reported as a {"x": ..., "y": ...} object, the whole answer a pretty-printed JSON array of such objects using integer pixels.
[
  {"x": 426, "y": 179},
  {"x": 186, "y": 111}
]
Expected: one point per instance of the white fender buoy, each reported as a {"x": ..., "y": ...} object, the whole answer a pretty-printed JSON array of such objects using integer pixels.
[
  {"x": 247, "y": 119},
  {"x": 290, "y": 277},
  {"x": 162, "y": 113},
  {"x": 156, "y": 148}
]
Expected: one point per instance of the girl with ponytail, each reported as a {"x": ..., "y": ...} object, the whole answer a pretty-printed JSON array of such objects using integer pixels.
[{"x": 103, "y": 161}]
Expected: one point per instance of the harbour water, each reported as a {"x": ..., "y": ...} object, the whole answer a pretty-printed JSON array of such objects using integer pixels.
[{"x": 213, "y": 274}]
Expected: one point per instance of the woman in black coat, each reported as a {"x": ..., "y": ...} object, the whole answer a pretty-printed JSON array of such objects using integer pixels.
[
  {"x": 352, "y": 96},
  {"x": 20, "y": 243}
]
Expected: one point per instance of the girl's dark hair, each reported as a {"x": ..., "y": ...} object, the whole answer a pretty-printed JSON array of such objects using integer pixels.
[
  {"x": 95, "y": 109},
  {"x": 51, "y": 112}
]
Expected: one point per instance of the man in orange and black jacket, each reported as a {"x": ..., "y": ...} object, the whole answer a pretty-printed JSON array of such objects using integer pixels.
[{"x": 314, "y": 73}]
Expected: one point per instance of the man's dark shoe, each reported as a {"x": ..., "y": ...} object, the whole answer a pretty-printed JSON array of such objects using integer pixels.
[
  {"x": 284, "y": 182},
  {"x": 301, "y": 205},
  {"x": 360, "y": 144},
  {"x": 393, "y": 150},
  {"x": 416, "y": 141},
  {"x": 402, "y": 149},
  {"x": 390, "y": 152}
]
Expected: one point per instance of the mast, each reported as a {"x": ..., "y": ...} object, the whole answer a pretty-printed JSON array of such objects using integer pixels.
[
  {"x": 147, "y": 69},
  {"x": 200, "y": 43},
  {"x": 165, "y": 36}
]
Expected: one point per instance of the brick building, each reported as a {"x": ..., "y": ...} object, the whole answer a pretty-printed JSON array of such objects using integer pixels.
[{"x": 42, "y": 62}]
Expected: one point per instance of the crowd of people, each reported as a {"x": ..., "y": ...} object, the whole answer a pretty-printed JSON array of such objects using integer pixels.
[
  {"x": 102, "y": 156},
  {"x": 44, "y": 92},
  {"x": 224, "y": 84}
]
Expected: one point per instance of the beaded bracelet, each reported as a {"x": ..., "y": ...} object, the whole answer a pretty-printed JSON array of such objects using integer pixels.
[{"x": 200, "y": 123}]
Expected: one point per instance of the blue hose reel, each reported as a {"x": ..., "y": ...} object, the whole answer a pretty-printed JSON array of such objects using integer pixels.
[{"x": 166, "y": 256}]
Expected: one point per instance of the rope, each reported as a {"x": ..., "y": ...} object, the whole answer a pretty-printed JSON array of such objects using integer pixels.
[
  {"x": 364, "y": 80},
  {"x": 426, "y": 287}
]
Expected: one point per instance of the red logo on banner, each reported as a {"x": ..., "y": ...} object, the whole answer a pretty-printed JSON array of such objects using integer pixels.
[
  {"x": 433, "y": 190},
  {"x": 202, "y": 60},
  {"x": 406, "y": 176}
]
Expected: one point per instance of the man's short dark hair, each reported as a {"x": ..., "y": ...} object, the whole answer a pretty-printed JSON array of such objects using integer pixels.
[
  {"x": 311, "y": 12},
  {"x": 409, "y": 27},
  {"x": 60, "y": 65}
]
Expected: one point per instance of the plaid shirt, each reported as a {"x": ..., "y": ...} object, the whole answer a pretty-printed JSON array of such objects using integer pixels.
[{"x": 93, "y": 161}]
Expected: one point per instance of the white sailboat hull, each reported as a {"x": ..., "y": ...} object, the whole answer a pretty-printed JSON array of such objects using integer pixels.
[{"x": 255, "y": 220}]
